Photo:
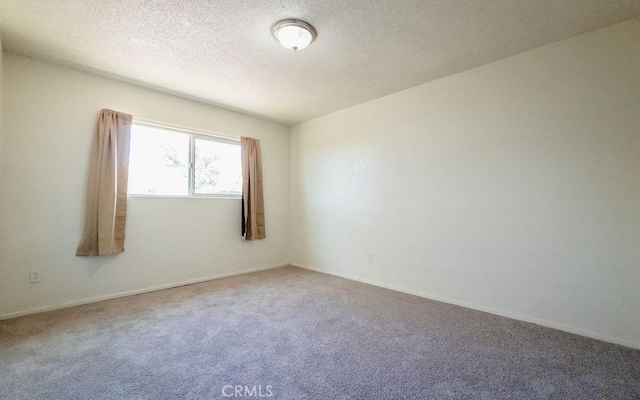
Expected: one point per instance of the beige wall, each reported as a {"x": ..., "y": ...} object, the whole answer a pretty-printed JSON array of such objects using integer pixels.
[
  {"x": 512, "y": 188},
  {"x": 50, "y": 115}
]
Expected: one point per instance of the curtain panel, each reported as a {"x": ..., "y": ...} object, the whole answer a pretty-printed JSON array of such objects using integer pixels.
[
  {"x": 106, "y": 199},
  {"x": 253, "y": 224}
]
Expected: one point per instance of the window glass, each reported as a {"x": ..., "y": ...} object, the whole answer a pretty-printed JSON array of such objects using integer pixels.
[
  {"x": 218, "y": 168},
  {"x": 171, "y": 162}
]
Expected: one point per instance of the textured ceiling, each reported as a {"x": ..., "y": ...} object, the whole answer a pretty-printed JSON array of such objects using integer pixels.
[{"x": 222, "y": 52}]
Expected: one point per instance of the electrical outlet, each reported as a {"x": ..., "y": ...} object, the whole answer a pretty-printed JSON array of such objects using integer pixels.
[
  {"x": 34, "y": 276},
  {"x": 370, "y": 258}
]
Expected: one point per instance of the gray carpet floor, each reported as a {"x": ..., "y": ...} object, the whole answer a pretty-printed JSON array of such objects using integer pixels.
[{"x": 294, "y": 334}]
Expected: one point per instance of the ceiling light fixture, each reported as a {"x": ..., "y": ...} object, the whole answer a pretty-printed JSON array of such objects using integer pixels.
[{"x": 294, "y": 34}]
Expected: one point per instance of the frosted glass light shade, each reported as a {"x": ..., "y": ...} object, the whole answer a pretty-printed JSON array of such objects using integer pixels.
[{"x": 294, "y": 34}]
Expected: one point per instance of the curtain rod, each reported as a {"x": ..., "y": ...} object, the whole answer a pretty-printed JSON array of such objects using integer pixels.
[{"x": 159, "y": 124}]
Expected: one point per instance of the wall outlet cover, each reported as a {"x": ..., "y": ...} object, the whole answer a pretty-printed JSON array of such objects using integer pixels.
[{"x": 34, "y": 276}]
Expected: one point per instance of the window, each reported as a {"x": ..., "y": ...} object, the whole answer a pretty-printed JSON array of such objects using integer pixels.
[{"x": 172, "y": 162}]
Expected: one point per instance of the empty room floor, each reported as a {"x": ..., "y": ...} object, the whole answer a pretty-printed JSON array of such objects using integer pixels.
[{"x": 290, "y": 333}]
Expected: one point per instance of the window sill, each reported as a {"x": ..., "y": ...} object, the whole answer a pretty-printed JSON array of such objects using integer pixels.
[{"x": 199, "y": 196}]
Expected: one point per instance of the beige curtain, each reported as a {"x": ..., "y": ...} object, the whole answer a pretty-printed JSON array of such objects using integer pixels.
[
  {"x": 253, "y": 226},
  {"x": 106, "y": 208}
]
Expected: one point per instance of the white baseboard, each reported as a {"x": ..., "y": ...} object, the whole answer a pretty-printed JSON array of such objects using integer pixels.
[
  {"x": 490, "y": 310},
  {"x": 133, "y": 292}
]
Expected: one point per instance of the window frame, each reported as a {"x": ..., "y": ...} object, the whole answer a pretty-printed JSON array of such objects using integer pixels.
[{"x": 193, "y": 135}]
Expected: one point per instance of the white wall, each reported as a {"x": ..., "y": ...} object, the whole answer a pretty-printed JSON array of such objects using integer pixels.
[
  {"x": 50, "y": 114},
  {"x": 1, "y": 140},
  {"x": 512, "y": 188}
]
